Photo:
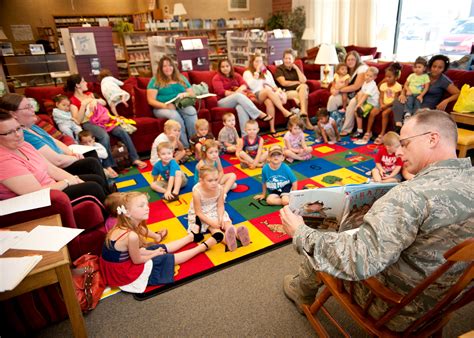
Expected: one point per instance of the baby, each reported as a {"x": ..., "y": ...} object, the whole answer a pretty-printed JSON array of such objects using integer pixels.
[
  {"x": 111, "y": 90},
  {"x": 63, "y": 118}
]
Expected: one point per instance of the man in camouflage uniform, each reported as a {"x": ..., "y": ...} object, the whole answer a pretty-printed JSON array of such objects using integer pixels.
[{"x": 405, "y": 233}]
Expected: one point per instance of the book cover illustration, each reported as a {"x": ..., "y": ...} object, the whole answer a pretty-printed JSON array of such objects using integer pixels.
[{"x": 336, "y": 208}]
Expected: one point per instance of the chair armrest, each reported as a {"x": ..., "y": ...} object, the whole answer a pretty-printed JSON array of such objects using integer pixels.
[
  {"x": 313, "y": 85},
  {"x": 209, "y": 102},
  {"x": 382, "y": 291}
]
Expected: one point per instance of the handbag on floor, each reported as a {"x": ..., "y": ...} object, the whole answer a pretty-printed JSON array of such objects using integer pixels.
[{"x": 88, "y": 282}]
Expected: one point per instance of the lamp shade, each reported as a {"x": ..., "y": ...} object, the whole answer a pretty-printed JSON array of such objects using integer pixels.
[
  {"x": 308, "y": 34},
  {"x": 179, "y": 9},
  {"x": 326, "y": 55}
]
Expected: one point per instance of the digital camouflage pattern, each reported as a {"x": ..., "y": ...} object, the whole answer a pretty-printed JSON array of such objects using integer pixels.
[{"x": 402, "y": 240}]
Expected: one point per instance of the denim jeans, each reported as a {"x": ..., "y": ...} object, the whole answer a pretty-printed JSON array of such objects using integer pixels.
[
  {"x": 412, "y": 104},
  {"x": 103, "y": 138},
  {"x": 186, "y": 117},
  {"x": 245, "y": 108}
]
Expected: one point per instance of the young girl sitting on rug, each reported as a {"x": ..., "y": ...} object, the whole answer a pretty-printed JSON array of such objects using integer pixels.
[
  {"x": 131, "y": 263},
  {"x": 295, "y": 144},
  {"x": 206, "y": 211},
  {"x": 210, "y": 156}
]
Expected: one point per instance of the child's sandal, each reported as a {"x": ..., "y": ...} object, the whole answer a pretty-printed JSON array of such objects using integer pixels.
[
  {"x": 162, "y": 233},
  {"x": 231, "y": 239},
  {"x": 197, "y": 237}
]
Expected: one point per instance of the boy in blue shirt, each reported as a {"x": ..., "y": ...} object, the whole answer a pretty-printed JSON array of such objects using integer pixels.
[
  {"x": 172, "y": 178},
  {"x": 277, "y": 178}
]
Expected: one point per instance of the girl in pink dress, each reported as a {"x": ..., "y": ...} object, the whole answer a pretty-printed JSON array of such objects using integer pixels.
[{"x": 295, "y": 144}]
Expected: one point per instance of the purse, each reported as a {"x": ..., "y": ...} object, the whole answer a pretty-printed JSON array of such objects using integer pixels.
[
  {"x": 88, "y": 282},
  {"x": 184, "y": 102}
]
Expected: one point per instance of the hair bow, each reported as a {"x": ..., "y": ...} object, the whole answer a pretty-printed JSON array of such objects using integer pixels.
[{"x": 121, "y": 210}]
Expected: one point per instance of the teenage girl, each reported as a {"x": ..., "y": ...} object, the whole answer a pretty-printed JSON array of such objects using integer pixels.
[
  {"x": 129, "y": 262},
  {"x": 390, "y": 89},
  {"x": 210, "y": 156},
  {"x": 295, "y": 144},
  {"x": 206, "y": 211}
]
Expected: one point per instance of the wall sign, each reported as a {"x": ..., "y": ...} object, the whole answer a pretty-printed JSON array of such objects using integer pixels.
[
  {"x": 238, "y": 5},
  {"x": 83, "y": 44}
]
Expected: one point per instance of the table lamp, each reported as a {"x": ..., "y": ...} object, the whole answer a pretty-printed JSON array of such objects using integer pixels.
[
  {"x": 326, "y": 56},
  {"x": 179, "y": 10},
  {"x": 308, "y": 34}
]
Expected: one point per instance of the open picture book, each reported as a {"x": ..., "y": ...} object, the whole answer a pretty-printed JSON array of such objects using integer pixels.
[{"x": 337, "y": 208}]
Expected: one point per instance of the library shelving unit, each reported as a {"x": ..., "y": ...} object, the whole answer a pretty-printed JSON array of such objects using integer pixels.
[
  {"x": 241, "y": 44},
  {"x": 48, "y": 34}
]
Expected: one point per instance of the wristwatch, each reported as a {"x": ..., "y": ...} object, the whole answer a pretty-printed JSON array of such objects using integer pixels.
[{"x": 67, "y": 182}]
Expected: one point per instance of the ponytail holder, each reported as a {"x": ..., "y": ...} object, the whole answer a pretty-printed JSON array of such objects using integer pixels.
[
  {"x": 121, "y": 210},
  {"x": 203, "y": 148}
]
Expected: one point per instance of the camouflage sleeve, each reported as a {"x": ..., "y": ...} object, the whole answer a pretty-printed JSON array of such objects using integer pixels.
[{"x": 390, "y": 226}]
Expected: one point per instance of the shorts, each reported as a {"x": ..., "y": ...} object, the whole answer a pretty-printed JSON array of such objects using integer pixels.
[
  {"x": 164, "y": 183},
  {"x": 282, "y": 191}
]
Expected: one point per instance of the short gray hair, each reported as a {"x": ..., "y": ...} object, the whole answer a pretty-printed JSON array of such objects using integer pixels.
[{"x": 439, "y": 120}]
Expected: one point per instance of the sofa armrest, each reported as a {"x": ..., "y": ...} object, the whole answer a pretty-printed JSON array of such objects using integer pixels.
[
  {"x": 313, "y": 85},
  {"x": 209, "y": 102}
]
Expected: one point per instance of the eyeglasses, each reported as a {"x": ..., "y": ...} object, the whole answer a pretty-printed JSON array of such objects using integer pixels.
[
  {"x": 27, "y": 107},
  {"x": 403, "y": 142},
  {"x": 13, "y": 131}
]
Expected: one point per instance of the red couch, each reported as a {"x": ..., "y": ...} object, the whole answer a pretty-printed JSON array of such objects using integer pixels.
[{"x": 459, "y": 78}]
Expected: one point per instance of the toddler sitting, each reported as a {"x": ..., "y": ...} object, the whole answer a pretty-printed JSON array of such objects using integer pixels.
[{"x": 63, "y": 117}]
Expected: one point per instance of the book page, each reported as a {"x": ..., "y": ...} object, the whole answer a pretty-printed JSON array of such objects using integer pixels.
[
  {"x": 197, "y": 44},
  {"x": 203, "y": 96},
  {"x": 10, "y": 238},
  {"x": 33, "y": 200},
  {"x": 321, "y": 208},
  {"x": 15, "y": 269},
  {"x": 172, "y": 100},
  {"x": 57, "y": 237}
]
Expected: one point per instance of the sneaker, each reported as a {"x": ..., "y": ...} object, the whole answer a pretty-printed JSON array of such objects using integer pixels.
[
  {"x": 292, "y": 293},
  {"x": 318, "y": 140},
  {"x": 233, "y": 186},
  {"x": 357, "y": 135}
]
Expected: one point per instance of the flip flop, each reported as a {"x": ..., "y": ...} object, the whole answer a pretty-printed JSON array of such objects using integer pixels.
[
  {"x": 243, "y": 235},
  {"x": 231, "y": 239},
  {"x": 267, "y": 118},
  {"x": 291, "y": 115}
]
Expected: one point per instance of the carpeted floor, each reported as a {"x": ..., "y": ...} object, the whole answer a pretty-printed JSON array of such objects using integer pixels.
[{"x": 344, "y": 163}]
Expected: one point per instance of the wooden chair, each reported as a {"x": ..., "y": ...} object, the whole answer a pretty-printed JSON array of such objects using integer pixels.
[{"x": 430, "y": 323}]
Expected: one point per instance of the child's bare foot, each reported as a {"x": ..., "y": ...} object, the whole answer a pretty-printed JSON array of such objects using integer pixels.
[
  {"x": 140, "y": 164},
  {"x": 243, "y": 235},
  {"x": 112, "y": 172}
]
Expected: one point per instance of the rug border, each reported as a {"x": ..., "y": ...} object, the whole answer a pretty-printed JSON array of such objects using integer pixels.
[{"x": 155, "y": 292}]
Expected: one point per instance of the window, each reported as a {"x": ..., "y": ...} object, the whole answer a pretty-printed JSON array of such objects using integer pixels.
[{"x": 426, "y": 27}]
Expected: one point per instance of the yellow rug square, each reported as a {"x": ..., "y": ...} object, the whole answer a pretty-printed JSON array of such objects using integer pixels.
[
  {"x": 186, "y": 171},
  {"x": 174, "y": 226},
  {"x": 218, "y": 255},
  {"x": 181, "y": 207},
  {"x": 126, "y": 184},
  {"x": 324, "y": 149},
  {"x": 342, "y": 176},
  {"x": 148, "y": 177}
]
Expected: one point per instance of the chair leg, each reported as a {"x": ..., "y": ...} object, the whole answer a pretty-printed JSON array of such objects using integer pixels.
[
  {"x": 462, "y": 150},
  {"x": 310, "y": 312}
]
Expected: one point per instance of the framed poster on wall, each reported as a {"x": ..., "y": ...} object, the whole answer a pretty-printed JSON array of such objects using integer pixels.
[
  {"x": 238, "y": 5},
  {"x": 83, "y": 43}
]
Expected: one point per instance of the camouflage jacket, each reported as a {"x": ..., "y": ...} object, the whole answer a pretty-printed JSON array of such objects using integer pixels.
[{"x": 403, "y": 236}]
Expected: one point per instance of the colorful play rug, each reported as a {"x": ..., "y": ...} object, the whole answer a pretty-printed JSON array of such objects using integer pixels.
[{"x": 339, "y": 164}]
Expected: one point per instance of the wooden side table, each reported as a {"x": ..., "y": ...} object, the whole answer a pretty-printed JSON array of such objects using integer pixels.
[
  {"x": 53, "y": 268},
  {"x": 465, "y": 118}
]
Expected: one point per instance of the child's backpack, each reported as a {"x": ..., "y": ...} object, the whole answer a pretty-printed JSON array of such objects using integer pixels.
[{"x": 121, "y": 156}]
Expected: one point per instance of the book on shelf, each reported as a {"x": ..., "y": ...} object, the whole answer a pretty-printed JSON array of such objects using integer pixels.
[
  {"x": 337, "y": 208},
  {"x": 202, "y": 96}
]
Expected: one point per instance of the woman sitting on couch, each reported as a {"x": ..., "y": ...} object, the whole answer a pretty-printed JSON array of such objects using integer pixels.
[
  {"x": 83, "y": 101},
  {"x": 167, "y": 84},
  {"x": 261, "y": 83},
  {"x": 231, "y": 90},
  {"x": 53, "y": 150},
  {"x": 357, "y": 71},
  {"x": 24, "y": 170},
  {"x": 440, "y": 84}
]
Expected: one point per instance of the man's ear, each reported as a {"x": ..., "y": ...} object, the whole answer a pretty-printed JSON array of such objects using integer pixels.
[{"x": 434, "y": 138}]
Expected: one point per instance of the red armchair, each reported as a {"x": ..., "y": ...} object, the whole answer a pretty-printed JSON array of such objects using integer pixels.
[{"x": 32, "y": 311}]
